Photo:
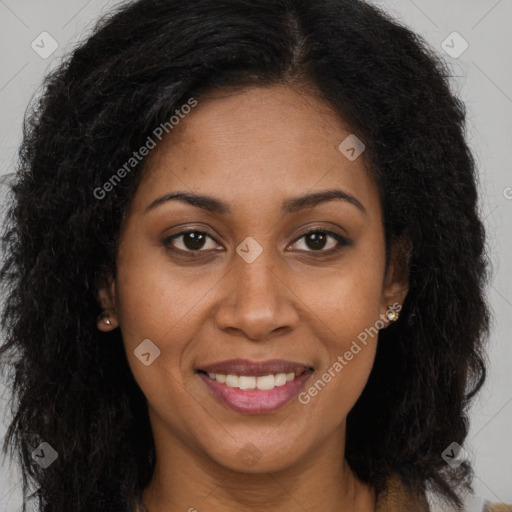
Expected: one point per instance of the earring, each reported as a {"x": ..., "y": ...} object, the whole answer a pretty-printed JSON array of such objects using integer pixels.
[
  {"x": 105, "y": 318},
  {"x": 392, "y": 314}
]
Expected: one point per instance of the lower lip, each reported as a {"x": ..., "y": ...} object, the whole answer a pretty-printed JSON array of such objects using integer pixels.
[{"x": 256, "y": 401}]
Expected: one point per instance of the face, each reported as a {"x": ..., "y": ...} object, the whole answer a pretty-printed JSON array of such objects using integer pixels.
[{"x": 236, "y": 276}]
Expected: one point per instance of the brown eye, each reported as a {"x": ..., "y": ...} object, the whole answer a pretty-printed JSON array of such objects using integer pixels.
[
  {"x": 192, "y": 241},
  {"x": 317, "y": 240}
]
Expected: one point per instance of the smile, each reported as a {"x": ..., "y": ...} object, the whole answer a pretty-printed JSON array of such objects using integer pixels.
[{"x": 251, "y": 394}]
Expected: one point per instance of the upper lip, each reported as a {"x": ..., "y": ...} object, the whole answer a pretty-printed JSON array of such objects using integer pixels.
[{"x": 255, "y": 368}]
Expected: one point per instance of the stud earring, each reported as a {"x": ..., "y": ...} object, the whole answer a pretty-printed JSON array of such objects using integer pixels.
[
  {"x": 105, "y": 318},
  {"x": 392, "y": 314}
]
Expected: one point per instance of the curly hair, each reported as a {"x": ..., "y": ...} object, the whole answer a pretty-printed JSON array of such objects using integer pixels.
[{"x": 72, "y": 386}]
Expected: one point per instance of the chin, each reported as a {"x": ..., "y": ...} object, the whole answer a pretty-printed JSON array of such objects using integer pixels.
[{"x": 253, "y": 459}]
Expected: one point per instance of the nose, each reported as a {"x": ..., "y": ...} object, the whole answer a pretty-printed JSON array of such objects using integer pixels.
[{"x": 257, "y": 301}]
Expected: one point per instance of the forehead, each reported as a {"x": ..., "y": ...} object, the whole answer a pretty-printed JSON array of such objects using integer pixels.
[{"x": 255, "y": 143}]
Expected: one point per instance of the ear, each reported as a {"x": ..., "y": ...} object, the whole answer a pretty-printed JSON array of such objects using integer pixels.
[
  {"x": 396, "y": 280},
  {"x": 106, "y": 297}
]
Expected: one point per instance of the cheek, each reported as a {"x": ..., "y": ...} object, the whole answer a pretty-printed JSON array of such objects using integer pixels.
[
  {"x": 347, "y": 299},
  {"x": 346, "y": 308},
  {"x": 349, "y": 334},
  {"x": 154, "y": 307},
  {"x": 154, "y": 297}
]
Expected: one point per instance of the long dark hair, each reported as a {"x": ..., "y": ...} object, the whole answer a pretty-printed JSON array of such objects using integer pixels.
[{"x": 72, "y": 385}]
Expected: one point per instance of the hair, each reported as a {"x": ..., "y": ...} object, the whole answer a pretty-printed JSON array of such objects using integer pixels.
[{"x": 72, "y": 386}]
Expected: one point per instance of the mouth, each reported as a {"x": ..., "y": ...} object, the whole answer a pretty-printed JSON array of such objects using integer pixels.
[{"x": 255, "y": 387}]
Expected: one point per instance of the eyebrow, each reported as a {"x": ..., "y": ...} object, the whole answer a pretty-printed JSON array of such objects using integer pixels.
[{"x": 295, "y": 204}]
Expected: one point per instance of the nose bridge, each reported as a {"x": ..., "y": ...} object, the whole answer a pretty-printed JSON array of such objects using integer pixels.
[
  {"x": 256, "y": 279},
  {"x": 255, "y": 301},
  {"x": 254, "y": 262},
  {"x": 255, "y": 287}
]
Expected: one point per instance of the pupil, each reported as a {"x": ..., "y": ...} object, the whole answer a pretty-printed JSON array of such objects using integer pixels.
[
  {"x": 318, "y": 241},
  {"x": 193, "y": 240}
]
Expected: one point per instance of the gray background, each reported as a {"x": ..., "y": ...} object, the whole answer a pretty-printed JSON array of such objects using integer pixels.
[{"x": 483, "y": 77}]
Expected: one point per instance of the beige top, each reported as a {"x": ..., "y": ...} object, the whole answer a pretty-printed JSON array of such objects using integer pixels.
[{"x": 397, "y": 499}]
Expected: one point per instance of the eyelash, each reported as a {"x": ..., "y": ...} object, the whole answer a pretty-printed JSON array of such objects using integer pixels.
[{"x": 342, "y": 241}]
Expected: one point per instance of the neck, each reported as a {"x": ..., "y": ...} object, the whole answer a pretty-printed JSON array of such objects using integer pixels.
[{"x": 190, "y": 481}]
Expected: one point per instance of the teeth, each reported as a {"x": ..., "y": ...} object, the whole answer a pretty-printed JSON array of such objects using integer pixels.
[
  {"x": 264, "y": 382},
  {"x": 232, "y": 381},
  {"x": 246, "y": 382}
]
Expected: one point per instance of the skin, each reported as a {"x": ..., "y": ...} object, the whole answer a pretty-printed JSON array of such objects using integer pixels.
[{"x": 253, "y": 149}]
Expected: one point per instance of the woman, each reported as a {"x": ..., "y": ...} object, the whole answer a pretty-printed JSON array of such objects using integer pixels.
[{"x": 244, "y": 266}]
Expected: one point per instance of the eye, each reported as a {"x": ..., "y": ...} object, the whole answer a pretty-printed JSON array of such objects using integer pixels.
[
  {"x": 317, "y": 240},
  {"x": 191, "y": 241},
  {"x": 194, "y": 241}
]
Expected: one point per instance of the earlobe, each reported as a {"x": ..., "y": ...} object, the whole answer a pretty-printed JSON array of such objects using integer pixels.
[
  {"x": 107, "y": 320},
  {"x": 396, "y": 284}
]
